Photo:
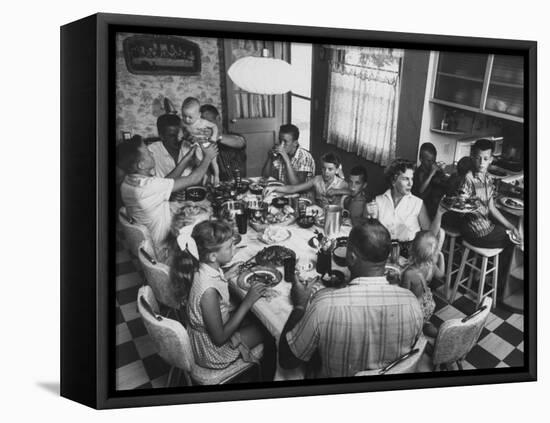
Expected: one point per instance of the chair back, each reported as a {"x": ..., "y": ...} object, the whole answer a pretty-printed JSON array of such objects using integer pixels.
[
  {"x": 405, "y": 364},
  {"x": 456, "y": 337},
  {"x": 134, "y": 233},
  {"x": 170, "y": 338},
  {"x": 157, "y": 275}
]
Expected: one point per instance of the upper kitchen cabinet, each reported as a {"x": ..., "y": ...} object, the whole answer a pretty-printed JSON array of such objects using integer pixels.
[{"x": 482, "y": 83}]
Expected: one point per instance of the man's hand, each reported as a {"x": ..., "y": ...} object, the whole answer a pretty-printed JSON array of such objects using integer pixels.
[
  {"x": 280, "y": 148},
  {"x": 210, "y": 152},
  {"x": 298, "y": 293}
]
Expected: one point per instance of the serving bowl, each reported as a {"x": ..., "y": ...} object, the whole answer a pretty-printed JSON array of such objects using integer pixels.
[
  {"x": 195, "y": 193},
  {"x": 305, "y": 222},
  {"x": 280, "y": 202}
]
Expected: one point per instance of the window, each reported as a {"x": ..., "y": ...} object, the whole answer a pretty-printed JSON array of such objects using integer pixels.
[{"x": 300, "y": 106}]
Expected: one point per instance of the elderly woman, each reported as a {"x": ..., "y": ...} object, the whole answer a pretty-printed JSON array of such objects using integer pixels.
[{"x": 401, "y": 212}]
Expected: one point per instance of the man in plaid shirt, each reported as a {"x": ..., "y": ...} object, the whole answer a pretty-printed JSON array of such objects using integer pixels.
[
  {"x": 364, "y": 325},
  {"x": 287, "y": 161}
]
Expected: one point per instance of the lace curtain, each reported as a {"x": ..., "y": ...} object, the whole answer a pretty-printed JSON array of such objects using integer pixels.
[{"x": 363, "y": 99}]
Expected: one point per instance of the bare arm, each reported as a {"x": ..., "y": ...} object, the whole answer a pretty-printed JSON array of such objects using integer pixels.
[
  {"x": 233, "y": 141},
  {"x": 497, "y": 215},
  {"x": 439, "y": 268},
  {"x": 196, "y": 176},
  {"x": 182, "y": 165},
  {"x": 290, "y": 189},
  {"x": 211, "y": 314}
]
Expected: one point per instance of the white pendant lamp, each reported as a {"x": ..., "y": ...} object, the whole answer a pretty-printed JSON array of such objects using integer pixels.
[{"x": 261, "y": 75}]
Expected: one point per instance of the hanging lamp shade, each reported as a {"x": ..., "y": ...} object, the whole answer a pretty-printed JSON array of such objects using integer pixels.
[{"x": 261, "y": 75}]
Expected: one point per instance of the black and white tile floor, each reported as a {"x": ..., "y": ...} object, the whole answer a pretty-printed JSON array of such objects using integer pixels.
[{"x": 138, "y": 365}]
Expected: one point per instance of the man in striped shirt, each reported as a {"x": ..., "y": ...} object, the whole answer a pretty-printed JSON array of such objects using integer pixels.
[{"x": 364, "y": 325}]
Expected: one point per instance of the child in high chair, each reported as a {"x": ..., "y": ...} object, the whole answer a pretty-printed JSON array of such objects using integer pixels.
[
  {"x": 426, "y": 261},
  {"x": 218, "y": 331},
  {"x": 197, "y": 129}
]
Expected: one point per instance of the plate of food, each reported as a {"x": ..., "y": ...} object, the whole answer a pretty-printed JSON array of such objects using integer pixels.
[
  {"x": 274, "y": 216},
  {"x": 274, "y": 235},
  {"x": 512, "y": 203},
  {"x": 274, "y": 255},
  {"x": 192, "y": 212},
  {"x": 460, "y": 204},
  {"x": 267, "y": 275}
]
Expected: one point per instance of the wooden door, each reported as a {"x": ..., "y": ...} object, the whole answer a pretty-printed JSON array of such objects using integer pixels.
[{"x": 256, "y": 117}]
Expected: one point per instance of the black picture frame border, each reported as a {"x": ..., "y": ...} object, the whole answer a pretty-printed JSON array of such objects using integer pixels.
[{"x": 87, "y": 167}]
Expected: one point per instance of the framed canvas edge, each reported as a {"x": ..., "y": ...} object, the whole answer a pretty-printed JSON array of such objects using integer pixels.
[{"x": 105, "y": 398}]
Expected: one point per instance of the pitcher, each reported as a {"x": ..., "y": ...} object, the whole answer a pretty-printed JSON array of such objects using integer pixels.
[{"x": 333, "y": 220}]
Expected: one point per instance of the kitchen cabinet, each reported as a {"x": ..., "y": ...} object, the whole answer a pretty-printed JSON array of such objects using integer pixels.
[{"x": 482, "y": 83}]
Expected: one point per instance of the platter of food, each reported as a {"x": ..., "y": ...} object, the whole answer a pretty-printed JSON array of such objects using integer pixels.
[
  {"x": 274, "y": 235},
  {"x": 460, "y": 204},
  {"x": 513, "y": 203},
  {"x": 274, "y": 216},
  {"x": 274, "y": 255}
]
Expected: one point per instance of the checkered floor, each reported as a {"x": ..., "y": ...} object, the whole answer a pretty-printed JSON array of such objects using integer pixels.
[{"x": 138, "y": 366}]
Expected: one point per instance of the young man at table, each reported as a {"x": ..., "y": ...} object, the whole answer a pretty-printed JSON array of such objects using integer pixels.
[
  {"x": 287, "y": 161},
  {"x": 364, "y": 325},
  {"x": 170, "y": 150},
  {"x": 145, "y": 195}
]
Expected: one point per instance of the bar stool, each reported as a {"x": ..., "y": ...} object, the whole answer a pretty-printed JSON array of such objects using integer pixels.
[
  {"x": 485, "y": 254},
  {"x": 450, "y": 247}
]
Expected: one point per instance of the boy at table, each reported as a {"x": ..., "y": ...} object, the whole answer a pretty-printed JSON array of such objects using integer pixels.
[
  {"x": 486, "y": 228},
  {"x": 324, "y": 185},
  {"x": 364, "y": 325}
]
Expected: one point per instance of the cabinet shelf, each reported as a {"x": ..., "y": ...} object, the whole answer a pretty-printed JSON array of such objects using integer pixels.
[
  {"x": 441, "y": 131},
  {"x": 461, "y": 82}
]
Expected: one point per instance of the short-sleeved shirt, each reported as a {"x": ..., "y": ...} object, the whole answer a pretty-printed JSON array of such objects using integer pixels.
[
  {"x": 164, "y": 162},
  {"x": 401, "y": 221},
  {"x": 302, "y": 161},
  {"x": 146, "y": 200},
  {"x": 481, "y": 186},
  {"x": 363, "y": 326},
  {"x": 207, "y": 354},
  {"x": 321, "y": 188}
]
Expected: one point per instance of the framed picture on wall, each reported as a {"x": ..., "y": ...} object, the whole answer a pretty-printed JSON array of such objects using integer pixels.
[{"x": 292, "y": 211}]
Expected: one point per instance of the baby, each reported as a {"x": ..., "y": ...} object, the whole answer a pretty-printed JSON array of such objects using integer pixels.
[{"x": 196, "y": 129}]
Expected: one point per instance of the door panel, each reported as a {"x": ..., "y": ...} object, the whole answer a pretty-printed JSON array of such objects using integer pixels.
[{"x": 256, "y": 117}]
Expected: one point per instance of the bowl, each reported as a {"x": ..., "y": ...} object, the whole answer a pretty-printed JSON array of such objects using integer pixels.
[
  {"x": 334, "y": 279},
  {"x": 305, "y": 222},
  {"x": 280, "y": 202},
  {"x": 340, "y": 251},
  {"x": 196, "y": 193}
]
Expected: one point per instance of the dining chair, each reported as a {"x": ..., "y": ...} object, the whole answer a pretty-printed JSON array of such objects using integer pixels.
[
  {"x": 157, "y": 276},
  {"x": 134, "y": 233},
  {"x": 407, "y": 363},
  {"x": 173, "y": 345},
  {"x": 455, "y": 339}
]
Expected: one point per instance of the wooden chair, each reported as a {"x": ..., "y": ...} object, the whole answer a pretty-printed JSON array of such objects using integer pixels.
[
  {"x": 173, "y": 345},
  {"x": 456, "y": 338},
  {"x": 407, "y": 363},
  {"x": 485, "y": 254},
  {"x": 449, "y": 249},
  {"x": 134, "y": 233}
]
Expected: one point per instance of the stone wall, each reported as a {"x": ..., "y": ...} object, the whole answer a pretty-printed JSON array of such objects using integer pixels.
[{"x": 140, "y": 98}]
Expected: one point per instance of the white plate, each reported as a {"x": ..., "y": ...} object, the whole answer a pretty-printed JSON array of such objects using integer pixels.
[{"x": 514, "y": 207}]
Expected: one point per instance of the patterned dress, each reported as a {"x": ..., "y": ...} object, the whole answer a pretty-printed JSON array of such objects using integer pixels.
[{"x": 207, "y": 354}]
